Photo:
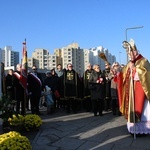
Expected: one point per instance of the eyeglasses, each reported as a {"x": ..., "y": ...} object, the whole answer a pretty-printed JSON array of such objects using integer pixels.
[{"x": 34, "y": 69}]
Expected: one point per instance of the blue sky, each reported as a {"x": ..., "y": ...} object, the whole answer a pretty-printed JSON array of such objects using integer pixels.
[{"x": 51, "y": 24}]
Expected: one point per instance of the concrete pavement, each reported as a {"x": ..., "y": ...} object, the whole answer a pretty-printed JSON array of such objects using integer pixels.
[{"x": 83, "y": 131}]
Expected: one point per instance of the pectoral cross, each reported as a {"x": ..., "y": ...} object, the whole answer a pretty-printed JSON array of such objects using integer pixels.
[{"x": 69, "y": 76}]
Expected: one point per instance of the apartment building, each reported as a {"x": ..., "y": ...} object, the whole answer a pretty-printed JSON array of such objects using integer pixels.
[
  {"x": 80, "y": 58},
  {"x": 71, "y": 53},
  {"x": 97, "y": 60},
  {"x": 42, "y": 59},
  {"x": 9, "y": 57}
]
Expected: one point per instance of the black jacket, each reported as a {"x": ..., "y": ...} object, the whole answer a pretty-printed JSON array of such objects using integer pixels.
[
  {"x": 18, "y": 88},
  {"x": 34, "y": 86},
  {"x": 97, "y": 89}
]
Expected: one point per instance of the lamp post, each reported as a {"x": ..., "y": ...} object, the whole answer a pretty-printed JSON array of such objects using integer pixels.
[{"x": 131, "y": 29}]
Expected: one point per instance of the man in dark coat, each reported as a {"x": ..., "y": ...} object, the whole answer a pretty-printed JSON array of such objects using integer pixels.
[
  {"x": 71, "y": 88},
  {"x": 18, "y": 89},
  {"x": 86, "y": 91},
  {"x": 107, "y": 99},
  {"x": 9, "y": 84},
  {"x": 97, "y": 87},
  {"x": 35, "y": 87}
]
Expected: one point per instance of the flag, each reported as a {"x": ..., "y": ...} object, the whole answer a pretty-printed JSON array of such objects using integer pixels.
[{"x": 23, "y": 78}]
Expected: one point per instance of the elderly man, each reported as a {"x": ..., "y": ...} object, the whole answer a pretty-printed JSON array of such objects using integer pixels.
[
  {"x": 86, "y": 91},
  {"x": 35, "y": 87},
  {"x": 71, "y": 85},
  {"x": 18, "y": 89},
  {"x": 134, "y": 80}
]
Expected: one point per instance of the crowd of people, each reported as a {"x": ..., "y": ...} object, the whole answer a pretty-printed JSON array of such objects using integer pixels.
[
  {"x": 63, "y": 88},
  {"x": 121, "y": 89}
]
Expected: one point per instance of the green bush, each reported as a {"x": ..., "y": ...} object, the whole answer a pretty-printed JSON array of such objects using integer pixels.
[{"x": 14, "y": 141}]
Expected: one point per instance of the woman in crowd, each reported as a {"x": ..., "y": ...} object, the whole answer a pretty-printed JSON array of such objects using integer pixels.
[{"x": 97, "y": 88}]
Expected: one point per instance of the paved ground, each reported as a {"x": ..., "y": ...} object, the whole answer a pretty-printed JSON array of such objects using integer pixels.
[{"x": 83, "y": 131}]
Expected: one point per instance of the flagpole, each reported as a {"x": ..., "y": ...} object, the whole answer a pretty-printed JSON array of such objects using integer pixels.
[
  {"x": 25, "y": 92},
  {"x": 24, "y": 75}
]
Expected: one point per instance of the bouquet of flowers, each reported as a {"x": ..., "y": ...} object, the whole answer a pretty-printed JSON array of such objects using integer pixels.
[
  {"x": 32, "y": 122},
  {"x": 14, "y": 140}
]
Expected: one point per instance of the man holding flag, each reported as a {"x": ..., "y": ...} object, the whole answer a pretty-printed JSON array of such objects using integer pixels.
[{"x": 20, "y": 82}]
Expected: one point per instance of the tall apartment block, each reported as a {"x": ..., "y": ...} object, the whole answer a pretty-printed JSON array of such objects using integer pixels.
[
  {"x": 10, "y": 57},
  {"x": 71, "y": 53},
  {"x": 75, "y": 55},
  {"x": 42, "y": 59},
  {"x": 80, "y": 58},
  {"x": 97, "y": 60}
]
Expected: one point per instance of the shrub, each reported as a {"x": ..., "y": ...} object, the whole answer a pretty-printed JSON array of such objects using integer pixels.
[
  {"x": 32, "y": 122},
  {"x": 14, "y": 141}
]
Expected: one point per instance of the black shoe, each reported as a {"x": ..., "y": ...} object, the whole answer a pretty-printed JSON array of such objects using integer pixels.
[
  {"x": 100, "y": 114},
  {"x": 114, "y": 113},
  {"x": 95, "y": 115}
]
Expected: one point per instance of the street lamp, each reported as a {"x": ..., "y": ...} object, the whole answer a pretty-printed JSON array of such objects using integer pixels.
[{"x": 131, "y": 29}]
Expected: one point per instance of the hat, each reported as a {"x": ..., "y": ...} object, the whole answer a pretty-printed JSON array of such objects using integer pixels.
[
  {"x": 47, "y": 72},
  {"x": 133, "y": 46},
  {"x": 129, "y": 46}
]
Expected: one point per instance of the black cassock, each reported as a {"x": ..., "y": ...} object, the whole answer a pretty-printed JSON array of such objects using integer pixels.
[
  {"x": 86, "y": 90},
  {"x": 71, "y": 84}
]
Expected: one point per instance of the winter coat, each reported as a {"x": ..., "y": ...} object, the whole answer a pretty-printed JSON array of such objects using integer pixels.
[{"x": 97, "y": 89}]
